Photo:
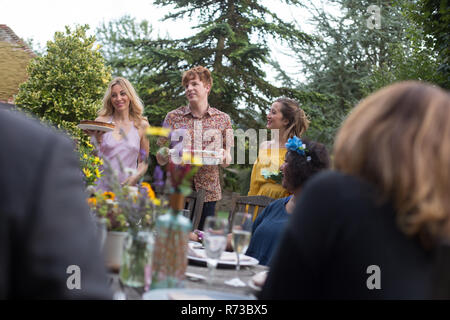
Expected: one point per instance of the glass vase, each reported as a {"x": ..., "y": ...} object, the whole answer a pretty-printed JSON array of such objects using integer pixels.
[
  {"x": 136, "y": 258},
  {"x": 170, "y": 252}
]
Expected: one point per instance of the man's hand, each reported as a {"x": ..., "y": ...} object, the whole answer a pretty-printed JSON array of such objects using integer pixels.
[{"x": 162, "y": 156}]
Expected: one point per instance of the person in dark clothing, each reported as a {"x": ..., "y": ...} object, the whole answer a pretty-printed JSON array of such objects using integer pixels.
[
  {"x": 368, "y": 230},
  {"x": 47, "y": 236},
  {"x": 303, "y": 160}
]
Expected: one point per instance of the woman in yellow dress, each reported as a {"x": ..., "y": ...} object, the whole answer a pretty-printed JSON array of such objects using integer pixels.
[{"x": 285, "y": 120}]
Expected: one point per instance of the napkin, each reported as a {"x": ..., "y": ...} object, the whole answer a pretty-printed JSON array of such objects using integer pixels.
[{"x": 226, "y": 255}]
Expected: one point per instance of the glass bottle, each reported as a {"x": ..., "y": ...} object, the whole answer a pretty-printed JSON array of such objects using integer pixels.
[
  {"x": 170, "y": 252},
  {"x": 136, "y": 257}
]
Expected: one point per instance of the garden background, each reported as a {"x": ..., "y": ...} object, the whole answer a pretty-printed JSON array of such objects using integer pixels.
[{"x": 348, "y": 55}]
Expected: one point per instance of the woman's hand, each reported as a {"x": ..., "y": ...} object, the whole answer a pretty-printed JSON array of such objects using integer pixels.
[{"x": 131, "y": 181}]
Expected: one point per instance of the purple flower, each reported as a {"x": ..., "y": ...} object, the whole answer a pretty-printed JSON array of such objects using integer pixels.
[{"x": 158, "y": 175}]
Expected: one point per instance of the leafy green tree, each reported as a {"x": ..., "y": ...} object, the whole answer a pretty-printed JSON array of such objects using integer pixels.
[
  {"x": 232, "y": 41},
  {"x": 433, "y": 18},
  {"x": 353, "y": 55},
  {"x": 67, "y": 83}
]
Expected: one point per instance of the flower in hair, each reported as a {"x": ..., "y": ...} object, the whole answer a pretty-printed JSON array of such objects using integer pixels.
[{"x": 297, "y": 145}]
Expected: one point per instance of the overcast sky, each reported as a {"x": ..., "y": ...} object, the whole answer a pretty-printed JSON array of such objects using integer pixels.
[{"x": 40, "y": 19}]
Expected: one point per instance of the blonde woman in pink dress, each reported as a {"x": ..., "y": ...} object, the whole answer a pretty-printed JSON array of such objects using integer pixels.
[{"x": 126, "y": 147}]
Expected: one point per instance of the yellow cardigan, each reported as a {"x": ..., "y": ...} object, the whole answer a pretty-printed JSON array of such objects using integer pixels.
[{"x": 270, "y": 159}]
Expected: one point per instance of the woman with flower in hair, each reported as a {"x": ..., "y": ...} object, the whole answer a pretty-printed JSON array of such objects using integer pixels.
[
  {"x": 126, "y": 147},
  {"x": 285, "y": 120},
  {"x": 369, "y": 230},
  {"x": 303, "y": 159}
]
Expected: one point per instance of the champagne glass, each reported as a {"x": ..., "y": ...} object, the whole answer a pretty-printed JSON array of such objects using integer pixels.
[
  {"x": 215, "y": 242},
  {"x": 241, "y": 234},
  {"x": 101, "y": 228}
]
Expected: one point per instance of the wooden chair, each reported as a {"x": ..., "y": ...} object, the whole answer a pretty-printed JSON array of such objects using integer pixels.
[
  {"x": 194, "y": 203},
  {"x": 251, "y": 204}
]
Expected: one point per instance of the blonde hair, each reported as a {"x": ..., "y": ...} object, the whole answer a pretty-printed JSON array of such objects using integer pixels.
[
  {"x": 399, "y": 140},
  {"x": 298, "y": 122},
  {"x": 136, "y": 105}
]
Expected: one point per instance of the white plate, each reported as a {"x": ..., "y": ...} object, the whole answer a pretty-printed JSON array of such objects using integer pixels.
[
  {"x": 225, "y": 260},
  {"x": 94, "y": 127},
  {"x": 192, "y": 294}
]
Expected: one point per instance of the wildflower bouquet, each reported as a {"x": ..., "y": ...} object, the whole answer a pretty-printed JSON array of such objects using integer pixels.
[
  {"x": 126, "y": 208},
  {"x": 90, "y": 164}
]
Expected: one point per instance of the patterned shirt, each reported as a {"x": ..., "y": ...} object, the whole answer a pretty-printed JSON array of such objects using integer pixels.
[{"x": 211, "y": 132}]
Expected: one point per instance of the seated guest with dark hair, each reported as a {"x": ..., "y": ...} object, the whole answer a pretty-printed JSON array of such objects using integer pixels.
[
  {"x": 368, "y": 230},
  {"x": 302, "y": 160}
]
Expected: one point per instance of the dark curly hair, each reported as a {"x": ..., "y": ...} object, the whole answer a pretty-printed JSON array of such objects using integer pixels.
[{"x": 298, "y": 170}]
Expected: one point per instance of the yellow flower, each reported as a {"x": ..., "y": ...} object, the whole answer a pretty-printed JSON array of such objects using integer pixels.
[
  {"x": 157, "y": 131},
  {"x": 150, "y": 192},
  {"x": 97, "y": 160},
  {"x": 109, "y": 195},
  {"x": 87, "y": 172},
  {"x": 85, "y": 156},
  {"x": 89, "y": 145},
  {"x": 97, "y": 173},
  {"x": 156, "y": 202},
  {"x": 92, "y": 202},
  {"x": 100, "y": 162}
]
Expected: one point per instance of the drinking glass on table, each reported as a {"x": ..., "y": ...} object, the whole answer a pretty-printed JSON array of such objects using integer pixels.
[
  {"x": 215, "y": 242},
  {"x": 101, "y": 228},
  {"x": 241, "y": 234}
]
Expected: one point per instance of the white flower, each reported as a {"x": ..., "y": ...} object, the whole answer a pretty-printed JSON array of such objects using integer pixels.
[{"x": 133, "y": 191}]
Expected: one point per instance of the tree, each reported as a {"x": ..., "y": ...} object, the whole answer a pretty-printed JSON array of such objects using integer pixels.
[
  {"x": 433, "y": 17},
  {"x": 352, "y": 55},
  {"x": 232, "y": 41},
  {"x": 67, "y": 83}
]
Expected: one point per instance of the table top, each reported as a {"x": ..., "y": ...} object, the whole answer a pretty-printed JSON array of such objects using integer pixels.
[{"x": 220, "y": 276}]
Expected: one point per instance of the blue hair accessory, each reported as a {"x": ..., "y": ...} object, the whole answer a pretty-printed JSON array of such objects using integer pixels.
[{"x": 297, "y": 145}]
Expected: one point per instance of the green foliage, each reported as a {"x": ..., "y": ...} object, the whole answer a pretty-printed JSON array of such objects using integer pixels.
[
  {"x": 90, "y": 164},
  {"x": 416, "y": 57},
  {"x": 348, "y": 60},
  {"x": 433, "y": 18},
  {"x": 67, "y": 83}
]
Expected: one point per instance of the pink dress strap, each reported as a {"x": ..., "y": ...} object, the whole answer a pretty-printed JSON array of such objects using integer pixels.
[{"x": 120, "y": 154}]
